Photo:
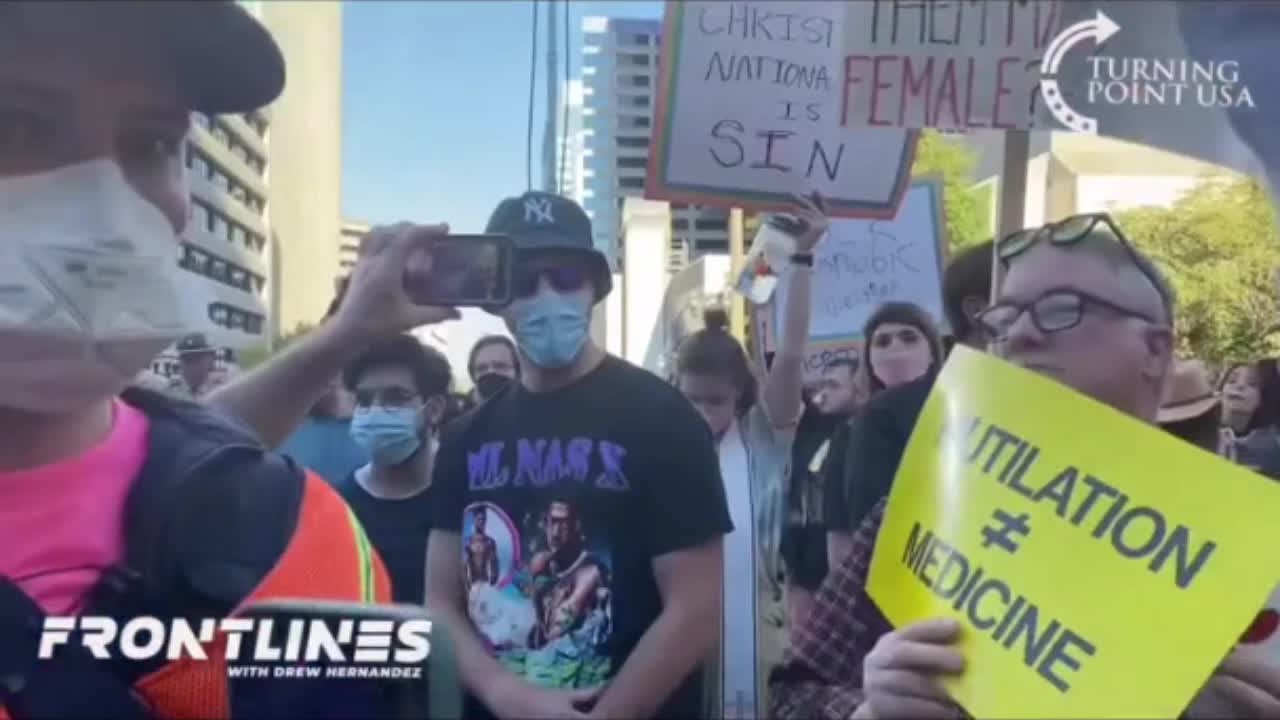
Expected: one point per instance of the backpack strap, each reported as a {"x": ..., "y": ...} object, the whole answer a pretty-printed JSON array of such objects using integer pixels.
[
  {"x": 206, "y": 519},
  {"x": 71, "y": 683}
]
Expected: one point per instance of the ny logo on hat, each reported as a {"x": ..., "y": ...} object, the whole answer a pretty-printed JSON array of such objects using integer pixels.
[{"x": 538, "y": 210}]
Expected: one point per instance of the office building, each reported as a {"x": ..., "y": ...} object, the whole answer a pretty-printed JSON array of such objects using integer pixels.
[
  {"x": 620, "y": 77},
  {"x": 225, "y": 243},
  {"x": 265, "y": 193},
  {"x": 569, "y": 158},
  {"x": 305, "y": 161},
  {"x": 349, "y": 245}
]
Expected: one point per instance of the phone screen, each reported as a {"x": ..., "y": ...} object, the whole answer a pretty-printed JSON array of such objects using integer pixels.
[
  {"x": 465, "y": 271},
  {"x": 315, "y": 689}
]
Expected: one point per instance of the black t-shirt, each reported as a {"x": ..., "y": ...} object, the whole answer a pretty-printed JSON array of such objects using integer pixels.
[
  {"x": 398, "y": 530},
  {"x": 877, "y": 440},
  {"x": 576, "y": 491}
]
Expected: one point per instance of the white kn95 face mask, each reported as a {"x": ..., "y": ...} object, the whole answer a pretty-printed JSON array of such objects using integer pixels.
[{"x": 89, "y": 287}]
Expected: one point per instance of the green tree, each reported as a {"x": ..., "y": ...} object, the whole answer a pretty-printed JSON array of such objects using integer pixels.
[
  {"x": 1219, "y": 248},
  {"x": 968, "y": 209}
]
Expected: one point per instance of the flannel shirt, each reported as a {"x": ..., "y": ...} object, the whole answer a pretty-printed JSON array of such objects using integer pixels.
[{"x": 821, "y": 673}]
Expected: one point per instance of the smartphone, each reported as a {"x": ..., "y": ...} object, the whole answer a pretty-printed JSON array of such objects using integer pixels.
[
  {"x": 464, "y": 271},
  {"x": 339, "y": 683}
]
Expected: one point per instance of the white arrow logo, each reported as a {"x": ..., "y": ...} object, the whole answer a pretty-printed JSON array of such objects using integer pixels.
[{"x": 1100, "y": 28}]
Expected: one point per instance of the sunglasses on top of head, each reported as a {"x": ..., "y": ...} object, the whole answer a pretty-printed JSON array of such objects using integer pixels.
[
  {"x": 563, "y": 278},
  {"x": 1069, "y": 231}
]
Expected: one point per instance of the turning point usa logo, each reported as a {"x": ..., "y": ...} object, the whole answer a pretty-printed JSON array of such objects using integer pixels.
[
  {"x": 1114, "y": 81},
  {"x": 347, "y": 648}
]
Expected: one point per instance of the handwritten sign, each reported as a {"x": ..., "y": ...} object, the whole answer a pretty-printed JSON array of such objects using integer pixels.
[
  {"x": 955, "y": 64},
  {"x": 1073, "y": 543},
  {"x": 749, "y": 112},
  {"x": 865, "y": 263}
]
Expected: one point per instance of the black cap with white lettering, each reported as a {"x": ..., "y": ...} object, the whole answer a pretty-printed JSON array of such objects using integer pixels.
[{"x": 540, "y": 222}]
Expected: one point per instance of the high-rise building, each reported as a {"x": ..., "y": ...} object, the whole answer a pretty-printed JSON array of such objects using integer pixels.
[
  {"x": 620, "y": 77},
  {"x": 349, "y": 245},
  {"x": 265, "y": 191},
  {"x": 305, "y": 161},
  {"x": 569, "y": 161},
  {"x": 225, "y": 242}
]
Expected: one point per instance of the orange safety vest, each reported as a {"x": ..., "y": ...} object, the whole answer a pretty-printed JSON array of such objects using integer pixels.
[{"x": 318, "y": 564}]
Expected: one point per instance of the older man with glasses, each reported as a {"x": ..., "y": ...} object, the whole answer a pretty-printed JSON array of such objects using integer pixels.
[{"x": 1081, "y": 305}]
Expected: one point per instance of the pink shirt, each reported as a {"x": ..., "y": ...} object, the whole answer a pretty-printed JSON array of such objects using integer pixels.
[{"x": 63, "y": 521}]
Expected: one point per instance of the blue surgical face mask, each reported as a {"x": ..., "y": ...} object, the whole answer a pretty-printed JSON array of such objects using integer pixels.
[
  {"x": 551, "y": 329},
  {"x": 389, "y": 435}
]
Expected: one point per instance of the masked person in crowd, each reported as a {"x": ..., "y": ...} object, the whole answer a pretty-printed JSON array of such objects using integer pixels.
[
  {"x": 1251, "y": 416},
  {"x": 198, "y": 372},
  {"x": 754, "y": 430},
  {"x": 1079, "y": 305},
  {"x": 492, "y": 366},
  {"x": 1191, "y": 410},
  {"x": 902, "y": 345},
  {"x": 588, "y": 496},
  {"x": 804, "y": 540},
  {"x": 877, "y": 434},
  {"x": 139, "y": 504},
  {"x": 322, "y": 442},
  {"x": 400, "y": 389}
]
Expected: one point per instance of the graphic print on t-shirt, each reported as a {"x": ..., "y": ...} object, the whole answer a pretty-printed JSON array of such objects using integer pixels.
[{"x": 539, "y": 583}]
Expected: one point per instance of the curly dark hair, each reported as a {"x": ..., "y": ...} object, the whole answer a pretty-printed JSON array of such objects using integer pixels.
[{"x": 429, "y": 367}]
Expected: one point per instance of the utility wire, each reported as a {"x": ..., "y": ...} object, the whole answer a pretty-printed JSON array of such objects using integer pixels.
[
  {"x": 533, "y": 82},
  {"x": 564, "y": 130}
]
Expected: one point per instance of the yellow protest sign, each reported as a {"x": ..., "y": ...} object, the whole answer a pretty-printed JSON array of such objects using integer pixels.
[{"x": 1099, "y": 567}]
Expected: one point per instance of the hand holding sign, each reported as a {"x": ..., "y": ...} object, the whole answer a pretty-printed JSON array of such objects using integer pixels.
[
  {"x": 808, "y": 223},
  {"x": 1069, "y": 541},
  {"x": 1243, "y": 686},
  {"x": 900, "y": 673}
]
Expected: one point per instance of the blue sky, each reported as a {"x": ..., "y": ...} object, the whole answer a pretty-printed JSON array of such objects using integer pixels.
[
  {"x": 434, "y": 113},
  {"x": 435, "y": 103}
]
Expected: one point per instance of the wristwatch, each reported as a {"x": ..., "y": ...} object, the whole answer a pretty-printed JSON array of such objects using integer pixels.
[{"x": 802, "y": 258}]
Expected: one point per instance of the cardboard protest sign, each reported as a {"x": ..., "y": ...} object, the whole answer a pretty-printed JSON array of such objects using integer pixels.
[
  {"x": 748, "y": 113},
  {"x": 1099, "y": 566},
  {"x": 864, "y": 263},
  {"x": 956, "y": 65},
  {"x": 1189, "y": 77}
]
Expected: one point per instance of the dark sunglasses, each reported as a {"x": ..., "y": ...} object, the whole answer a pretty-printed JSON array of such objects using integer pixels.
[
  {"x": 906, "y": 336},
  {"x": 1056, "y": 310},
  {"x": 1070, "y": 231},
  {"x": 562, "y": 278}
]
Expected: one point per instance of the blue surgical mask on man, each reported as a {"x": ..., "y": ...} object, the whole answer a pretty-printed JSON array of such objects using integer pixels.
[
  {"x": 551, "y": 328},
  {"x": 390, "y": 435}
]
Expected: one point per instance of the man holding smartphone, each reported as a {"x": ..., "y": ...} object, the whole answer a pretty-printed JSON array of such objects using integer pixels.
[{"x": 599, "y": 489}]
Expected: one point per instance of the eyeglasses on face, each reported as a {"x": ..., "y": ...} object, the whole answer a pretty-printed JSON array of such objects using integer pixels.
[
  {"x": 390, "y": 397},
  {"x": 1053, "y": 312},
  {"x": 1071, "y": 230}
]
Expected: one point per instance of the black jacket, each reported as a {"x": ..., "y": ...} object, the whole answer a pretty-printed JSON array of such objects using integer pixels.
[{"x": 877, "y": 439}]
